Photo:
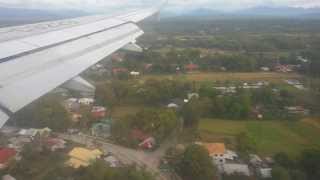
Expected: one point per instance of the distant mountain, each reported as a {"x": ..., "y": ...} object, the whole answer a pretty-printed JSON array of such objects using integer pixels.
[
  {"x": 14, "y": 16},
  {"x": 278, "y": 11},
  {"x": 255, "y": 11}
]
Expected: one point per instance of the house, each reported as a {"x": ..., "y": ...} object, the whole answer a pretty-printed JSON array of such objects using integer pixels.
[
  {"x": 193, "y": 95},
  {"x": 82, "y": 157},
  {"x": 172, "y": 105},
  {"x": 219, "y": 153},
  {"x": 102, "y": 128},
  {"x": 76, "y": 117},
  {"x": 231, "y": 169},
  {"x": 266, "y": 69},
  {"x": 112, "y": 161},
  {"x": 8, "y": 177},
  {"x": 18, "y": 142},
  {"x": 133, "y": 73},
  {"x": 255, "y": 160},
  {"x": 86, "y": 101},
  {"x": 148, "y": 143},
  {"x": 98, "y": 112},
  {"x": 6, "y": 154},
  {"x": 138, "y": 135},
  {"x": 297, "y": 110},
  {"x": 33, "y": 133},
  {"x": 118, "y": 57},
  {"x": 265, "y": 173},
  {"x": 72, "y": 105},
  {"x": 191, "y": 67},
  {"x": 55, "y": 144},
  {"x": 116, "y": 71}
]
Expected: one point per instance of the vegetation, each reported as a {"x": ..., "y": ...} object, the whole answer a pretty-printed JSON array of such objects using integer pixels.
[
  {"x": 262, "y": 137},
  {"x": 196, "y": 164},
  {"x": 46, "y": 112}
]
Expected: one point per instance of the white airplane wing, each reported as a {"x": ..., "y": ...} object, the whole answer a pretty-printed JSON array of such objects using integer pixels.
[{"x": 36, "y": 58}]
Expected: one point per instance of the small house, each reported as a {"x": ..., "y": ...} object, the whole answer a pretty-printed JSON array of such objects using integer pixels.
[
  {"x": 83, "y": 157},
  {"x": 98, "y": 112},
  {"x": 255, "y": 160},
  {"x": 231, "y": 169},
  {"x": 193, "y": 96},
  {"x": 86, "y": 101},
  {"x": 102, "y": 128},
  {"x": 265, "y": 173},
  {"x": 55, "y": 144},
  {"x": 148, "y": 143},
  {"x": 112, "y": 161},
  {"x": 134, "y": 73},
  {"x": 8, "y": 177},
  {"x": 191, "y": 67},
  {"x": 6, "y": 155}
]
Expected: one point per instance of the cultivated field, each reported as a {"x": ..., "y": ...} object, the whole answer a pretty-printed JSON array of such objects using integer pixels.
[{"x": 270, "y": 137}]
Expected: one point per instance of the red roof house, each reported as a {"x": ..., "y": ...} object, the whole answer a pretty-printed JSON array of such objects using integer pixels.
[
  {"x": 191, "y": 67},
  {"x": 6, "y": 154},
  {"x": 98, "y": 112}
]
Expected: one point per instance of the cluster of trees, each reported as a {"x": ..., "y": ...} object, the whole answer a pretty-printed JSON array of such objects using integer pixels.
[
  {"x": 159, "y": 123},
  {"x": 45, "y": 112},
  {"x": 151, "y": 92},
  {"x": 194, "y": 163},
  {"x": 240, "y": 104},
  {"x": 305, "y": 167}
]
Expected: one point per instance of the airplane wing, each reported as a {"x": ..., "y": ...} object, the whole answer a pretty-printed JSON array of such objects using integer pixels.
[{"x": 36, "y": 58}]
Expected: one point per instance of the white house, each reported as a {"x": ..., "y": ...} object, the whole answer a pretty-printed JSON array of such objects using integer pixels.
[
  {"x": 86, "y": 101},
  {"x": 230, "y": 169},
  {"x": 133, "y": 73}
]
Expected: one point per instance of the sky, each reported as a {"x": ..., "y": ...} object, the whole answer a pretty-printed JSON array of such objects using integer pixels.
[{"x": 101, "y": 5}]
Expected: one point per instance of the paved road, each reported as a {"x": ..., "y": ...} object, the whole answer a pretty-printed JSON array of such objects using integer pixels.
[{"x": 148, "y": 160}]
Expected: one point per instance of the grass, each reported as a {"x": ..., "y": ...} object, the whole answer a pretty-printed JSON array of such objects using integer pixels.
[
  {"x": 120, "y": 112},
  {"x": 223, "y": 76},
  {"x": 270, "y": 137}
]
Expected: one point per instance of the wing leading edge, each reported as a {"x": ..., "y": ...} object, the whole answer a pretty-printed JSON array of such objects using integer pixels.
[{"x": 35, "y": 61}]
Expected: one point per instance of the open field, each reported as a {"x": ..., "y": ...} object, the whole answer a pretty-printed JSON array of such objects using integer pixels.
[
  {"x": 270, "y": 137},
  {"x": 223, "y": 76},
  {"x": 122, "y": 111}
]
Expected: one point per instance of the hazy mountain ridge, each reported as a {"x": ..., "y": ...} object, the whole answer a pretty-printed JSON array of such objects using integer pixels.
[{"x": 255, "y": 11}]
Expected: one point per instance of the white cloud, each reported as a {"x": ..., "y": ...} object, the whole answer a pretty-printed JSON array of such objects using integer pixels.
[{"x": 180, "y": 4}]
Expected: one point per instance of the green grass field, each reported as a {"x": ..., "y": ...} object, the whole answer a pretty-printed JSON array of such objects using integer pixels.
[{"x": 270, "y": 136}]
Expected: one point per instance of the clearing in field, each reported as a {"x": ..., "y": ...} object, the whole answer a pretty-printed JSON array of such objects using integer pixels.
[{"x": 270, "y": 137}]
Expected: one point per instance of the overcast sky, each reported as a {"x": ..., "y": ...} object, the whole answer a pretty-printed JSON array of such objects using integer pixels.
[{"x": 173, "y": 4}]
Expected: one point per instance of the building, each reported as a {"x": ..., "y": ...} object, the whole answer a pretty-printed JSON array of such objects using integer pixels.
[
  {"x": 255, "y": 160},
  {"x": 71, "y": 105},
  {"x": 231, "y": 169},
  {"x": 172, "y": 105},
  {"x": 55, "y": 144},
  {"x": 191, "y": 67},
  {"x": 83, "y": 157},
  {"x": 148, "y": 143},
  {"x": 297, "y": 110},
  {"x": 6, "y": 155},
  {"x": 265, "y": 173},
  {"x": 102, "y": 128},
  {"x": 133, "y": 73},
  {"x": 112, "y": 161},
  {"x": 8, "y": 177},
  {"x": 86, "y": 101},
  {"x": 98, "y": 112},
  {"x": 116, "y": 71},
  {"x": 193, "y": 95},
  {"x": 219, "y": 153}
]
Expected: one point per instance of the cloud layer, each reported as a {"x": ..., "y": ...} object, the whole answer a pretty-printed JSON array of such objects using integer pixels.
[{"x": 104, "y": 5}]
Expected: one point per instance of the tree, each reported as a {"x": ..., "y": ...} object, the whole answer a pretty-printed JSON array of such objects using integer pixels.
[
  {"x": 191, "y": 114},
  {"x": 280, "y": 173},
  {"x": 310, "y": 163},
  {"x": 196, "y": 164}
]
